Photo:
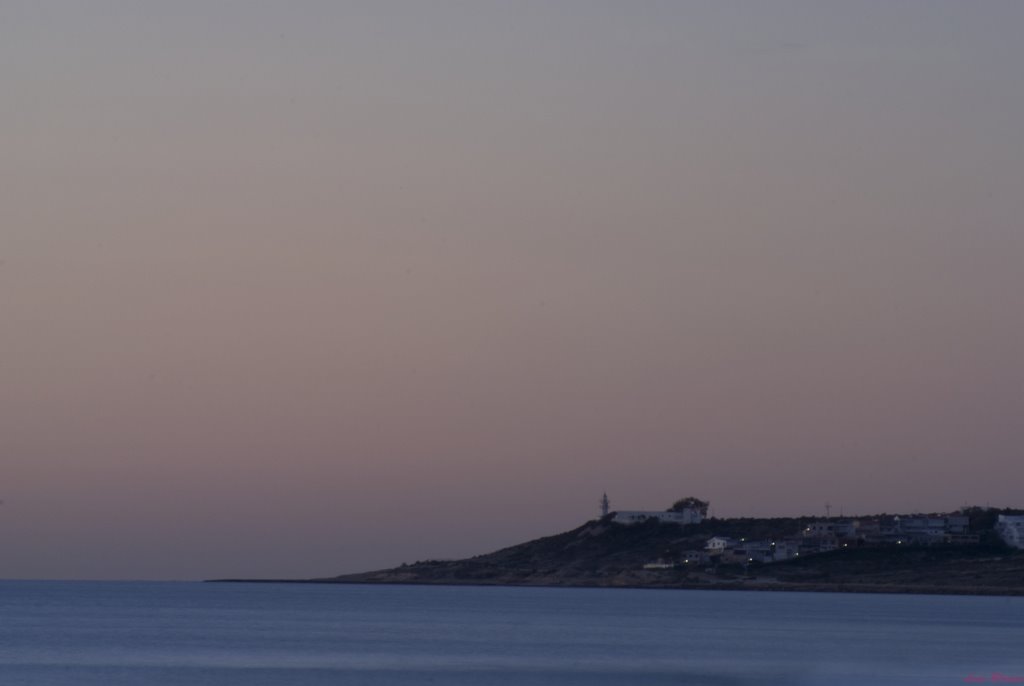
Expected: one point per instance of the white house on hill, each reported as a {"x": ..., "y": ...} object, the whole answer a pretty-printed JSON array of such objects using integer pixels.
[
  {"x": 687, "y": 516},
  {"x": 720, "y": 543},
  {"x": 1011, "y": 530}
]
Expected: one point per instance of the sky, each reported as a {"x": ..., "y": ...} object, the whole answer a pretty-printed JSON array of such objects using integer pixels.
[{"x": 293, "y": 289}]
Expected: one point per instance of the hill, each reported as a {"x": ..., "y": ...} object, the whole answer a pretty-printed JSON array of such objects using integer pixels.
[{"x": 605, "y": 553}]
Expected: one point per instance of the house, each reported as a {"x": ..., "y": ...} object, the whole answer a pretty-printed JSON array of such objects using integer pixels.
[
  {"x": 868, "y": 529},
  {"x": 734, "y": 556},
  {"x": 931, "y": 529},
  {"x": 888, "y": 529},
  {"x": 827, "y": 544},
  {"x": 1011, "y": 529},
  {"x": 957, "y": 524},
  {"x": 786, "y": 549},
  {"x": 758, "y": 551},
  {"x": 686, "y": 516},
  {"x": 922, "y": 529},
  {"x": 696, "y": 557},
  {"x": 717, "y": 544},
  {"x": 808, "y": 545},
  {"x": 830, "y": 528},
  {"x": 878, "y": 533}
]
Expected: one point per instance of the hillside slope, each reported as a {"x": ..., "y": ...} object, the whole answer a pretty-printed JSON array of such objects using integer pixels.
[{"x": 602, "y": 553}]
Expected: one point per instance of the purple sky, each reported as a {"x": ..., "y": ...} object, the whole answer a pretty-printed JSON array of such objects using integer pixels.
[{"x": 301, "y": 288}]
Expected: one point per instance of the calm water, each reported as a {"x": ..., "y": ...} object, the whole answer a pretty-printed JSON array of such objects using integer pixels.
[{"x": 155, "y": 634}]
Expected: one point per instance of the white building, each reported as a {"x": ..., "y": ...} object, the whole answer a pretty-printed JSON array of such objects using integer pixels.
[
  {"x": 1011, "y": 529},
  {"x": 934, "y": 528},
  {"x": 922, "y": 527},
  {"x": 720, "y": 543},
  {"x": 687, "y": 516}
]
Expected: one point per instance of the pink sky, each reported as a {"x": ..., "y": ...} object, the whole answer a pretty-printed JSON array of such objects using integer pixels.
[{"x": 310, "y": 289}]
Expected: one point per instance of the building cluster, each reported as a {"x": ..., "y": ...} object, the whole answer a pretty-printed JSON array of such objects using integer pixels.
[{"x": 834, "y": 534}]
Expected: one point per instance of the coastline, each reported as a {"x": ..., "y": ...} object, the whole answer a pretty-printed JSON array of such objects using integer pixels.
[
  {"x": 876, "y": 589},
  {"x": 653, "y": 554}
]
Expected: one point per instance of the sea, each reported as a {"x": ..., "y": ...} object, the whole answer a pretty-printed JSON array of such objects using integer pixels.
[{"x": 227, "y": 634}]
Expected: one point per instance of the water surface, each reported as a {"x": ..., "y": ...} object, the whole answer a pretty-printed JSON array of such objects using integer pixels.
[{"x": 162, "y": 634}]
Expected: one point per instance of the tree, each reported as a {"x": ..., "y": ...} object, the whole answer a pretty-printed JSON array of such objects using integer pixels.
[{"x": 691, "y": 503}]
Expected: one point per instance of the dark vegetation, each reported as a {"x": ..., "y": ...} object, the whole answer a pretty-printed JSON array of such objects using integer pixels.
[{"x": 691, "y": 503}]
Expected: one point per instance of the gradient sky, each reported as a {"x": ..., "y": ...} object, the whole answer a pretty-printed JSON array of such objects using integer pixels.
[{"x": 303, "y": 288}]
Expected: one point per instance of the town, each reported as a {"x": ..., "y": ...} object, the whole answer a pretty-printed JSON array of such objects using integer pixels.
[
  {"x": 827, "y": 534},
  {"x": 974, "y": 550}
]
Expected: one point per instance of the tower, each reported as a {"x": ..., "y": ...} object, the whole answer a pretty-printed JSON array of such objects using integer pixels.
[{"x": 604, "y": 505}]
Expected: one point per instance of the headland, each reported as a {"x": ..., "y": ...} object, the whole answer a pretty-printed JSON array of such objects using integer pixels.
[{"x": 970, "y": 552}]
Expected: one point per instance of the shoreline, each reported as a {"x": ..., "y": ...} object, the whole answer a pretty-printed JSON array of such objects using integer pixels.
[{"x": 876, "y": 589}]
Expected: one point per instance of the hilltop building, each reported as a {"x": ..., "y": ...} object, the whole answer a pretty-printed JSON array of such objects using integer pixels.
[
  {"x": 1011, "y": 529},
  {"x": 686, "y": 516}
]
